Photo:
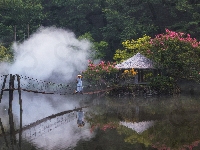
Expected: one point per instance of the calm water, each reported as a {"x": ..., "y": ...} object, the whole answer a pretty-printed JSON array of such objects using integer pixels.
[{"x": 111, "y": 123}]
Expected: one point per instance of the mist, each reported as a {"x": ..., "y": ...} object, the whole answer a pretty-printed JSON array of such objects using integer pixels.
[{"x": 51, "y": 53}]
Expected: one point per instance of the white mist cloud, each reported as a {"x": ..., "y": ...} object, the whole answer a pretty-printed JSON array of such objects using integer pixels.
[{"x": 51, "y": 52}]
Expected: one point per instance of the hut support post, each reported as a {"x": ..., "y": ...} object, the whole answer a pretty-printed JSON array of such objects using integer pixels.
[{"x": 142, "y": 75}]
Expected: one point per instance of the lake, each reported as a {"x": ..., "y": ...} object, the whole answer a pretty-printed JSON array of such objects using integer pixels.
[{"x": 110, "y": 122}]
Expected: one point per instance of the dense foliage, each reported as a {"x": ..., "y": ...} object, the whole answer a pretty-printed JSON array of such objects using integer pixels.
[
  {"x": 110, "y": 21},
  {"x": 98, "y": 47},
  {"x": 175, "y": 53},
  {"x": 19, "y": 15},
  {"x": 132, "y": 47},
  {"x": 5, "y": 54}
]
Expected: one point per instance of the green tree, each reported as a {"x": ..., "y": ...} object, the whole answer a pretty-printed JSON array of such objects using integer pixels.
[
  {"x": 5, "y": 54},
  {"x": 125, "y": 20},
  {"x": 98, "y": 47},
  {"x": 75, "y": 15},
  {"x": 132, "y": 47},
  {"x": 112, "y": 21},
  {"x": 19, "y": 14}
]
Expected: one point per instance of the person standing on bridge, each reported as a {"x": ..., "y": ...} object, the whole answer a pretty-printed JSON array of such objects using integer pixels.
[{"x": 79, "y": 88}]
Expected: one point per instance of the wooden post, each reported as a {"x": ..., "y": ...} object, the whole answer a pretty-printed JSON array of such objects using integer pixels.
[
  {"x": 4, "y": 82},
  {"x": 12, "y": 135},
  {"x": 21, "y": 110},
  {"x": 139, "y": 75},
  {"x": 142, "y": 75},
  {"x": 3, "y": 132}
]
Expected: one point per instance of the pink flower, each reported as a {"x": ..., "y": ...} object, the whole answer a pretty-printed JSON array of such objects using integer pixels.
[{"x": 148, "y": 51}]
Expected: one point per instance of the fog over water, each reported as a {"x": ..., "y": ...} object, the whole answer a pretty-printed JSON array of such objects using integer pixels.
[{"x": 49, "y": 54}]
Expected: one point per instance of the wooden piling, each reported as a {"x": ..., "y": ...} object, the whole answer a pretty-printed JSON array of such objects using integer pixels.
[
  {"x": 3, "y": 86},
  {"x": 3, "y": 132},
  {"x": 21, "y": 110},
  {"x": 11, "y": 122}
]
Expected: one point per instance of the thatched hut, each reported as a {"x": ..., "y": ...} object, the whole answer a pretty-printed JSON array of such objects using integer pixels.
[{"x": 143, "y": 65}]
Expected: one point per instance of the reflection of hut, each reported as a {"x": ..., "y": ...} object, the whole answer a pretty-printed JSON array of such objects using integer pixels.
[
  {"x": 141, "y": 64},
  {"x": 139, "y": 127}
]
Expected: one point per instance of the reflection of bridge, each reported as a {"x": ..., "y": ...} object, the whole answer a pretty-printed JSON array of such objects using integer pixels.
[
  {"x": 47, "y": 124},
  {"x": 36, "y": 86},
  {"x": 40, "y": 127}
]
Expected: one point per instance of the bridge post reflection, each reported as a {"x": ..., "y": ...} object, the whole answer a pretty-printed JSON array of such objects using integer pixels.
[{"x": 4, "y": 135}]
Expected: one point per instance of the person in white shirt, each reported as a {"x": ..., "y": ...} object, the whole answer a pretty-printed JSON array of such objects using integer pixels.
[{"x": 79, "y": 88}]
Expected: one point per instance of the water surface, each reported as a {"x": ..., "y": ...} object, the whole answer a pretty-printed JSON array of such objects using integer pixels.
[{"x": 157, "y": 122}]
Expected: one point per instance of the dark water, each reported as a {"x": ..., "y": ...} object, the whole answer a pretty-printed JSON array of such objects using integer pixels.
[{"x": 111, "y": 123}]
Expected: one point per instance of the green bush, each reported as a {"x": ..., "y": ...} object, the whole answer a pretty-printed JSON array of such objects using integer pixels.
[{"x": 162, "y": 84}]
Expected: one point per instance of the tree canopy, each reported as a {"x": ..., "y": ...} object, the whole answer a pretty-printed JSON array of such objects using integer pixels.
[{"x": 110, "y": 21}]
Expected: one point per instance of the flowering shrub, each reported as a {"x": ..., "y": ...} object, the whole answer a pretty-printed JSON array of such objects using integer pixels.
[
  {"x": 104, "y": 71},
  {"x": 177, "y": 53}
]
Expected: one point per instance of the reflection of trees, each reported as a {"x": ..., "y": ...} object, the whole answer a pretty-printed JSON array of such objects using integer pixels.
[
  {"x": 26, "y": 145},
  {"x": 164, "y": 135},
  {"x": 177, "y": 124},
  {"x": 113, "y": 111},
  {"x": 178, "y": 128},
  {"x": 109, "y": 140},
  {"x": 175, "y": 135},
  {"x": 102, "y": 120},
  {"x": 133, "y": 137}
]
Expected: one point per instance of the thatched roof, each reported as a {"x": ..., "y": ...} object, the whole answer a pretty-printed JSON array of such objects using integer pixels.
[{"x": 138, "y": 61}]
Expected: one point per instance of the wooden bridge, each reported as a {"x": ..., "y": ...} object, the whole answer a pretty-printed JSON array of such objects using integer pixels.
[{"x": 35, "y": 86}]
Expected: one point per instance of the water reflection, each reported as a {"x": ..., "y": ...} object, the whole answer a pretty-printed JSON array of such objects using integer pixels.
[
  {"x": 108, "y": 123},
  {"x": 139, "y": 127},
  {"x": 80, "y": 120},
  {"x": 174, "y": 121},
  {"x": 47, "y": 123}
]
